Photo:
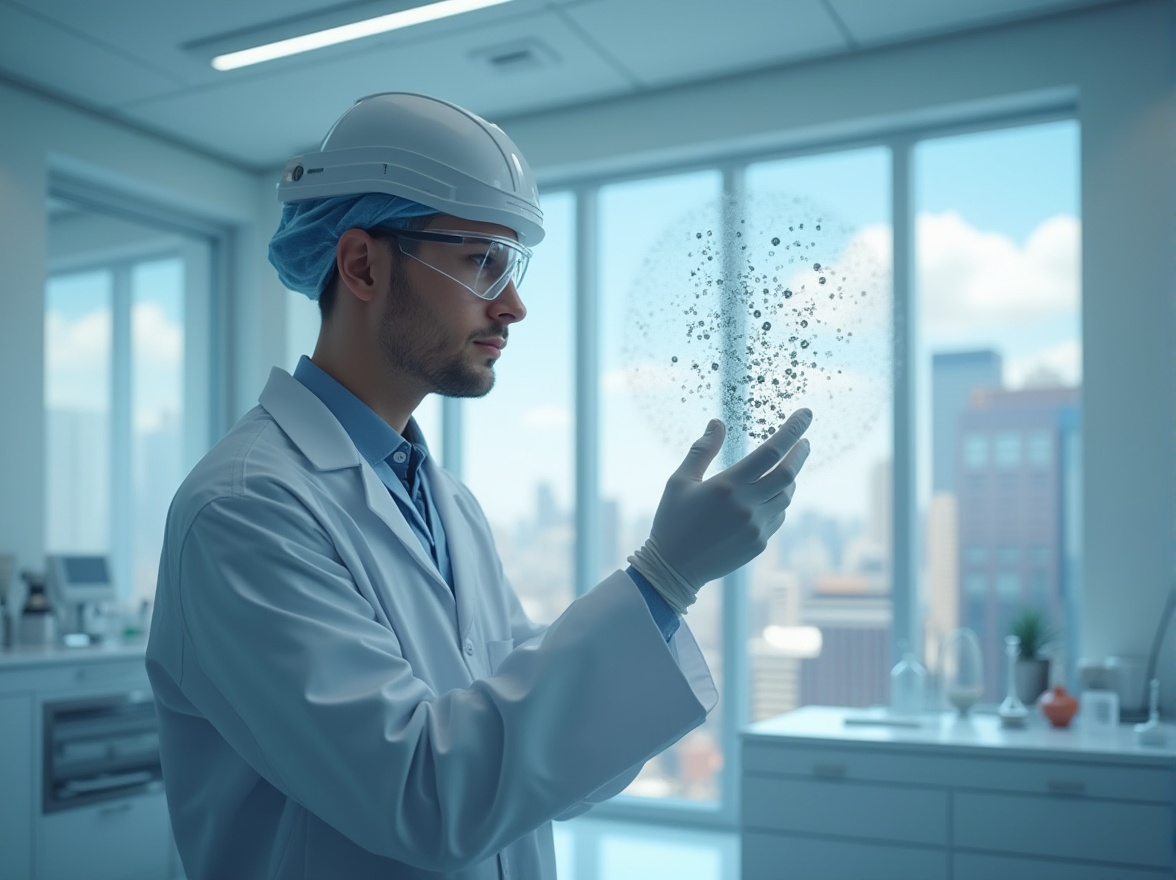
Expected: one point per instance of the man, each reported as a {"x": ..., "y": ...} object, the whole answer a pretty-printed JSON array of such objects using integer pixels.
[{"x": 347, "y": 686}]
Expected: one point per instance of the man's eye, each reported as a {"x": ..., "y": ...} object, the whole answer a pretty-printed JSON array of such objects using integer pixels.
[{"x": 488, "y": 260}]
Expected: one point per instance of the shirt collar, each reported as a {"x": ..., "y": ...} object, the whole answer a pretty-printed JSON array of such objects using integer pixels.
[{"x": 375, "y": 439}]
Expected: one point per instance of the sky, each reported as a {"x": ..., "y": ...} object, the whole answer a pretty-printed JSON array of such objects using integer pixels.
[{"x": 997, "y": 249}]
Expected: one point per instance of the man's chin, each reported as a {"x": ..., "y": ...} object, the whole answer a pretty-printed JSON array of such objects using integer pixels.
[{"x": 469, "y": 385}]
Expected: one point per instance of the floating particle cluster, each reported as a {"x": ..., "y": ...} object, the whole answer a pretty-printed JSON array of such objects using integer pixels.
[{"x": 750, "y": 311}]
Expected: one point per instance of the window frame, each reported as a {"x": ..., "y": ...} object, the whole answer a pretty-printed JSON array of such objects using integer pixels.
[{"x": 206, "y": 337}]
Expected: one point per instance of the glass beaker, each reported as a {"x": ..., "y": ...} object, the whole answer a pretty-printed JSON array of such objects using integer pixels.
[{"x": 962, "y": 668}]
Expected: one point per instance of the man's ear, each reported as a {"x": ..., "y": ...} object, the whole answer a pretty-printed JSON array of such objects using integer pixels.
[{"x": 359, "y": 259}]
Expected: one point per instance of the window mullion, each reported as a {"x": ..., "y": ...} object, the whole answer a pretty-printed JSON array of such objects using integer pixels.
[
  {"x": 735, "y": 705},
  {"x": 903, "y": 550},
  {"x": 587, "y": 393},
  {"x": 121, "y": 429}
]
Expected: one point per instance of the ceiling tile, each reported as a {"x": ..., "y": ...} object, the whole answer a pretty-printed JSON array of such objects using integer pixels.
[
  {"x": 160, "y": 34},
  {"x": 872, "y": 23},
  {"x": 66, "y": 62},
  {"x": 261, "y": 122},
  {"x": 667, "y": 43}
]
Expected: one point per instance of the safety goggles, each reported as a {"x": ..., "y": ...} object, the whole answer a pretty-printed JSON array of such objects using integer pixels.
[{"x": 482, "y": 264}]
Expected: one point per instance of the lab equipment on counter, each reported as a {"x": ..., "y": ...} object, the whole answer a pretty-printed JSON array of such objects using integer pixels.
[
  {"x": 80, "y": 583},
  {"x": 1151, "y": 732},
  {"x": 908, "y": 684},
  {"x": 7, "y": 573},
  {"x": 38, "y": 623},
  {"x": 1012, "y": 711}
]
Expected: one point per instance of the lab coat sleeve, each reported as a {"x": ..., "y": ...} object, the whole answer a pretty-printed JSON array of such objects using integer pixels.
[{"x": 286, "y": 659}]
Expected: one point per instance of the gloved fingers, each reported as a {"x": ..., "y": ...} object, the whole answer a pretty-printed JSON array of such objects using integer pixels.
[
  {"x": 784, "y": 474},
  {"x": 773, "y": 450},
  {"x": 775, "y": 506},
  {"x": 703, "y": 452}
]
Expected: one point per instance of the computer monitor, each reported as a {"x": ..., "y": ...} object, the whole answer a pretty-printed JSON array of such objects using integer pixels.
[
  {"x": 75, "y": 582},
  {"x": 78, "y": 579}
]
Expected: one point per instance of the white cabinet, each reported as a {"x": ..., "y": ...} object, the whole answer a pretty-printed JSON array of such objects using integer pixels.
[
  {"x": 124, "y": 837},
  {"x": 16, "y": 786},
  {"x": 952, "y": 800}
]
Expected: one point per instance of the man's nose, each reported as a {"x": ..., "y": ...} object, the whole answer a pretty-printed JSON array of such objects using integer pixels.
[{"x": 507, "y": 307}]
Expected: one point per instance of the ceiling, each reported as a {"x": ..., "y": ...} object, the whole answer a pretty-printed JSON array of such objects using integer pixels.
[{"x": 145, "y": 63}]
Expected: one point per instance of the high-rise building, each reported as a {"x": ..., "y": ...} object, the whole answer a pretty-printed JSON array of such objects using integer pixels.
[
  {"x": 955, "y": 375},
  {"x": 773, "y": 646},
  {"x": 943, "y": 576},
  {"x": 1016, "y": 481},
  {"x": 853, "y": 668}
]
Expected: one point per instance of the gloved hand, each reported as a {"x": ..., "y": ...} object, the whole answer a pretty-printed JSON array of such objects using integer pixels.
[{"x": 704, "y": 529}]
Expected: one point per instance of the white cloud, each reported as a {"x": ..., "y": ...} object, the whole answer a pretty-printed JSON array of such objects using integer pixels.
[
  {"x": 159, "y": 341},
  {"x": 968, "y": 277},
  {"x": 83, "y": 342},
  {"x": 1058, "y": 365},
  {"x": 551, "y": 417}
]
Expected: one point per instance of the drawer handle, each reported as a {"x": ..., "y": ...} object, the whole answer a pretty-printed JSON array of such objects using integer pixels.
[
  {"x": 1065, "y": 786},
  {"x": 829, "y": 771},
  {"x": 115, "y": 809}
]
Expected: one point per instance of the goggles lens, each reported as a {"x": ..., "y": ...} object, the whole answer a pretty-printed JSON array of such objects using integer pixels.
[{"x": 482, "y": 264}]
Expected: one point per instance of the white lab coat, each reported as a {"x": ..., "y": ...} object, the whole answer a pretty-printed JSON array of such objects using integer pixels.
[{"x": 328, "y": 709}]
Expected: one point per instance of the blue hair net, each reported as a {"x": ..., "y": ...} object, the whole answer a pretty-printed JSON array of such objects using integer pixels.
[{"x": 303, "y": 248}]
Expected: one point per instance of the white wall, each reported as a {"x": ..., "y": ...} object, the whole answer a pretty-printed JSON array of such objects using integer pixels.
[{"x": 1116, "y": 64}]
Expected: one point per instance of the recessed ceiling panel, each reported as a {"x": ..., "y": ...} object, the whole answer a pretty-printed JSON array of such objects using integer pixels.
[
  {"x": 872, "y": 22},
  {"x": 667, "y": 43},
  {"x": 68, "y": 63},
  {"x": 262, "y": 121}
]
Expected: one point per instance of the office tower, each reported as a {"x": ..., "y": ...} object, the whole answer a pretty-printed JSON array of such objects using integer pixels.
[
  {"x": 943, "y": 576},
  {"x": 853, "y": 668},
  {"x": 1016, "y": 482},
  {"x": 955, "y": 375},
  {"x": 774, "y": 647}
]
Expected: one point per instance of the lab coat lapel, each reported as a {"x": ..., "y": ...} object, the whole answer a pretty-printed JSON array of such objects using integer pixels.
[
  {"x": 380, "y": 500},
  {"x": 318, "y": 435},
  {"x": 469, "y": 549}
]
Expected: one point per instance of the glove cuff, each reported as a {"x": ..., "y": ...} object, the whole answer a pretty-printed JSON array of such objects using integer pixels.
[{"x": 678, "y": 592}]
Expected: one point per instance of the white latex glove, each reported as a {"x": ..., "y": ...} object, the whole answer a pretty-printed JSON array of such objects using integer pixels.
[{"x": 705, "y": 529}]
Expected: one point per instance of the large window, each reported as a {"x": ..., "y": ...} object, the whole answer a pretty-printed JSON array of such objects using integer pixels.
[
  {"x": 819, "y": 608},
  {"x": 517, "y": 441},
  {"x": 999, "y": 368},
  {"x": 987, "y": 481},
  {"x": 126, "y": 385}
]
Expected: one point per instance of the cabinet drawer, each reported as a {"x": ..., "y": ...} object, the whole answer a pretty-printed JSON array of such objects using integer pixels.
[
  {"x": 852, "y": 764},
  {"x": 974, "y": 770},
  {"x": 1070, "y": 779},
  {"x": 124, "y": 839},
  {"x": 889, "y": 813},
  {"x": 975, "y": 866},
  {"x": 768, "y": 856},
  {"x": 1071, "y": 827}
]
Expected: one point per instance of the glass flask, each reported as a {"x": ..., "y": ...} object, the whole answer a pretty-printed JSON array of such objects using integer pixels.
[
  {"x": 907, "y": 684},
  {"x": 962, "y": 668},
  {"x": 1012, "y": 711}
]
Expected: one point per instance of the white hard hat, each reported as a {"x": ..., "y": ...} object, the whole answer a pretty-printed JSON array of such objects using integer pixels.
[{"x": 426, "y": 150}]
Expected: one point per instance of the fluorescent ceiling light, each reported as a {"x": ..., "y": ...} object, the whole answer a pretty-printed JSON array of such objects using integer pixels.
[{"x": 354, "y": 31}]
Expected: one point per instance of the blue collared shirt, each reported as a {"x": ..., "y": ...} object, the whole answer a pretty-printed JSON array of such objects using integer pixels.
[{"x": 397, "y": 460}]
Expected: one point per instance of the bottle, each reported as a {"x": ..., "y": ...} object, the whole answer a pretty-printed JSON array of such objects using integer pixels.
[
  {"x": 908, "y": 681},
  {"x": 38, "y": 624}
]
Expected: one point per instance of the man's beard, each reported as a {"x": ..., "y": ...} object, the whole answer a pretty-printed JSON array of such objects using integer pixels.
[{"x": 415, "y": 347}]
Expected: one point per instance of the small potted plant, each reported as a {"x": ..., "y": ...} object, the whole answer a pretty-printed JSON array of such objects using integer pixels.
[{"x": 1031, "y": 671}]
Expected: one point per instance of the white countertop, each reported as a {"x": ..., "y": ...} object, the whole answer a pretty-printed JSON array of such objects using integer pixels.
[
  {"x": 948, "y": 731},
  {"x": 25, "y": 656}
]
